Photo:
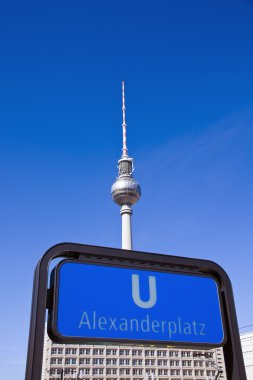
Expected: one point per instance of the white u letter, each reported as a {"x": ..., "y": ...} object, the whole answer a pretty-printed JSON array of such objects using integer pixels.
[{"x": 136, "y": 292}]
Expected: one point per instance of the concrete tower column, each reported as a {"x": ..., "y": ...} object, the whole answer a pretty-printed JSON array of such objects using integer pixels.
[{"x": 126, "y": 214}]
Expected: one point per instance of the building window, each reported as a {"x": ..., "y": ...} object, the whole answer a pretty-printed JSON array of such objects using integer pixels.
[
  {"x": 187, "y": 372},
  {"x": 149, "y": 353},
  {"x": 111, "y": 352},
  {"x": 124, "y": 352},
  {"x": 97, "y": 361},
  {"x": 175, "y": 372},
  {"x": 71, "y": 351},
  {"x": 56, "y": 351},
  {"x": 137, "y": 352},
  {"x": 56, "y": 361},
  {"x": 97, "y": 351},
  {"x": 199, "y": 372},
  {"x": 174, "y": 354},
  {"x": 198, "y": 363},
  {"x": 70, "y": 361},
  {"x": 150, "y": 362},
  {"x": 149, "y": 371},
  {"x": 162, "y": 372},
  {"x": 186, "y": 363},
  {"x": 161, "y": 353},
  {"x": 69, "y": 371},
  {"x": 137, "y": 371},
  {"x": 124, "y": 371},
  {"x": 137, "y": 361},
  {"x": 84, "y": 351},
  {"x": 84, "y": 371},
  {"x": 174, "y": 363},
  {"x": 124, "y": 362},
  {"x": 162, "y": 362},
  {"x": 84, "y": 361},
  {"x": 111, "y": 361}
]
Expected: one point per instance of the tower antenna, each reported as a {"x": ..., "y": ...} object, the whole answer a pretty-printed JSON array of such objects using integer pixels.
[{"x": 124, "y": 125}]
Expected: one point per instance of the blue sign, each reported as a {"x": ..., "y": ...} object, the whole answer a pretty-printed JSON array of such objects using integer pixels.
[{"x": 127, "y": 304}]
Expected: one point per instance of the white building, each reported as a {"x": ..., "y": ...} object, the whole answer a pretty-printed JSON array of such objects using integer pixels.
[
  {"x": 125, "y": 363},
  {"x": 93, "y": 362},
  {"x": 247, "y": 350}
]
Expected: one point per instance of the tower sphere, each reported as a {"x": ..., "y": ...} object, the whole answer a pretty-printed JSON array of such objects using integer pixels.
[{"x": 126, "y": 190}]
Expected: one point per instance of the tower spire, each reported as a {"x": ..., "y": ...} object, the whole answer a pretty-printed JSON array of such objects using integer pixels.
[
  {"x": 125, "y": 190},
  {"x": 124, "y": 125}
]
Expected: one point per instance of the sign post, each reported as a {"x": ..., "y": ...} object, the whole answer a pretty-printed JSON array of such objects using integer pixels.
[{"x": 132, "y": 297}]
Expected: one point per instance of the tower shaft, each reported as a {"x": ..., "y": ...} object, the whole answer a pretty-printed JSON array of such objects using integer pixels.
[{"x": 126, "y": 216}]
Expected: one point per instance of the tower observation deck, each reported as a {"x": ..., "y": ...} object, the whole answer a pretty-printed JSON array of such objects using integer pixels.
[{"x": 125, "y": 190}]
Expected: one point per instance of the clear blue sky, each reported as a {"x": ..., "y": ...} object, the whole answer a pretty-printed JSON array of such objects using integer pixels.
[{"x": 188, "y": 68}]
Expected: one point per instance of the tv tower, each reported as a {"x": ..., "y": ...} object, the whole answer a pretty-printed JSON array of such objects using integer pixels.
[{"x": 125, "y": 190}]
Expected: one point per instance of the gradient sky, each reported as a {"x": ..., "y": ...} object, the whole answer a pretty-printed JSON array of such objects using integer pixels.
[{"x": 189, "y": 94}]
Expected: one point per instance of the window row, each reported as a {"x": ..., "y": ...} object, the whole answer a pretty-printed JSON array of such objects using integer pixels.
[
  {"x": 134, "y": 362},
  {"x": 125, "y": 352},
  {"x": 134, "y": 371}
]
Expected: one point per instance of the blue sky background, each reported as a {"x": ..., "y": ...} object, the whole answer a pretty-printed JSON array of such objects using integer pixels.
[{"x": 189, "y": 92}]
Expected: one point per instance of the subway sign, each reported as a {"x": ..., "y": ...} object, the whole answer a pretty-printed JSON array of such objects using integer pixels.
[{"x": 100, "y": 302}]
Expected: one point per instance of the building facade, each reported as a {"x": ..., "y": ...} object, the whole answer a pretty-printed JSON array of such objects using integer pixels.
[
  {"x": 93, "y": 362},
  {"x": 247, "y": 350}
]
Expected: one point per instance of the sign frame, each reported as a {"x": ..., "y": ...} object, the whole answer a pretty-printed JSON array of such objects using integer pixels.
[
  {"x": 42, "y": 298},
  {"x": 53, "y": 312}
]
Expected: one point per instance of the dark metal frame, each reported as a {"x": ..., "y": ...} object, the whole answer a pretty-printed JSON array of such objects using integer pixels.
[{"x": 42, "y": 297}]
